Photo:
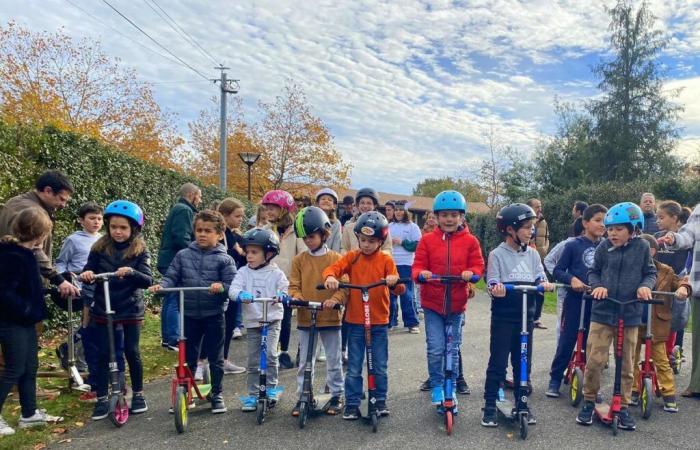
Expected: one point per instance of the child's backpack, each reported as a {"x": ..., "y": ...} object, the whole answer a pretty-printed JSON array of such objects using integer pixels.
[{"x": 680, "y": 311}]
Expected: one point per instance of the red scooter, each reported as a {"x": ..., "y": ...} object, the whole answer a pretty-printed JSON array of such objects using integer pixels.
[{"x": 573, "y": 376}]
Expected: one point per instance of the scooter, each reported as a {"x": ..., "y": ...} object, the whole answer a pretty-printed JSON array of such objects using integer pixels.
[
  {"x": 609, "y": 413},
  {"x": 183, "y": 385},
  {"x": 118, "y": 408},
  {"x": 372, "y": 416},
  {"x": 448, "y": 408},
  {"x": 307, "y": 402},
  {"x": 520, "y": 412},
  {"x": 573, "y": 376},
  {"x": 267, "y": 398}
]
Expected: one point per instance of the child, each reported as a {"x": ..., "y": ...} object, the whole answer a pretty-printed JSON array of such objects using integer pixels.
[
  {"x": 327, "y": 200},
  {"x": 313, "y": 226},
  {"x": 405, "y": 237},
  {"x": 667, "y": 281},
  {"x": 366, "y": 200},
  {"x": 260, "y": 278},
  {"x": 121, "y": 250},
  {"x": 204, "y": 263},
  {"x": 364, "y": 266},
  {"x": 572, "y": 269},
  {"x": 514, "y": 262},
  {"x": 21, "y": 308},
  {"x": 622, "y": 269},
  {"x": 449, "y": 250}
]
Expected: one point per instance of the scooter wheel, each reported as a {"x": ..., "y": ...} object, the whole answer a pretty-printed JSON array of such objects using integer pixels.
[
  {"x": 375, "y": 422},
  {"x": 576, "y": 388},
  {"x": 303, "y": 414},
  {"x": 118, "y": 410},
  {"x": 262, "y": 406},
  {"x": 180, "y": 409},
  {"x": 615, "y": 423},
  {"x": 523, "y": 426},
  {"x": 449, "y": 422},
  {"x": 646, "y": 398}
]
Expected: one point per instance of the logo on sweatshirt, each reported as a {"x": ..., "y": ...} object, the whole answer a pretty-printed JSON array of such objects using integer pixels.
[
  {"x": 589, "y": 257},
  {"x": 521, "y": 272}
]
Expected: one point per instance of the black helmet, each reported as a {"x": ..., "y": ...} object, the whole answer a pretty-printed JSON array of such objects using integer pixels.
[
  {"x": 367, "y": 192},
  {"x": 310, "y": 220},
  {"x": 372, "y": 224},
  {"x": 264, "y": 238},
  {"x": 513, "y": 215}
]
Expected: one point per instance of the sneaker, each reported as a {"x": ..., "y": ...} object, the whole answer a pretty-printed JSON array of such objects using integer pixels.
[
  {"x": 425, "y": 386},
  {"x": 39, "y": 418},
  {"x": 285, "y": 361},
  {"x": 351, "y": 413},
  {"x": 5, "y": 429},
  {"x": 217, "y": 404},
  {"x": 138, "y": 404},
  {"x": 463, "y": 387},
  {"x": 101, "y": 409},
  {"x": 334, "y": 406},
  {"x": 89, "y": 397},
  {"x": 585, "y": 416},
  {"x": 169, "y": 347},
  {"x": 553, "y": 389},
  {"x": 626, "y": 421},
  {"x": 490, "y": 417},
  {"x": 414, "y": 330},
  {"x": 295, "y": 410},
  {"x": 321, "y": 355},
  {"x": 237, "y": 333},
  {"x": 508, "y": 384},
  {"x": 231, "y": 368},
  {"x": 382, "y": 409},
  {"x": 599, "y": 398},
  {"x": 250, "y": 403},
  {"x": 199, "y": 373},
  {"x": 437, "y": 395},
  {"x": 634, "y": 399},
  {"x": 670, "y": 404},
  {"x": 62, "y": 355}
]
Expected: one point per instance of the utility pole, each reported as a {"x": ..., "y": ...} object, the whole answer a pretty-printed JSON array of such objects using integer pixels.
[{"x": 227, "y": 87}]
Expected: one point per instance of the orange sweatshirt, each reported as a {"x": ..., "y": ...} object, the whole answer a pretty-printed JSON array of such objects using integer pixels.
[{"x": 366, "y": 269}]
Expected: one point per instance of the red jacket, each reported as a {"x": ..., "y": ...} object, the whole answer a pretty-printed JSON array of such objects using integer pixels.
[{"x": 444, "y": 254}]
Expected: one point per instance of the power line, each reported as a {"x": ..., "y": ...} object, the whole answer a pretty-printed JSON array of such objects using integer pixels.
[
  {"x": 156, "y": 42},
  {"x": 179, "y": 30}
]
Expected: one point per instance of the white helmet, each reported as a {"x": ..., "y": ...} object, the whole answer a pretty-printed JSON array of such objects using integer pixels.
[{"x": 327, "y": 191}]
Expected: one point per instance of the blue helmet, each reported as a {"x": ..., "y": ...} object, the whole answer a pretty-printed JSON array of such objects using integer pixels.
[
  {"x": 625, "y": 213},
  {"x": 450, "y": 201},
  {"x": 127, "y": 209}
]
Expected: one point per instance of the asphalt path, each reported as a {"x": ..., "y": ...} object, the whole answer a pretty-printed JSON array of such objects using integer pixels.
[{"x": 413, "y": 422}]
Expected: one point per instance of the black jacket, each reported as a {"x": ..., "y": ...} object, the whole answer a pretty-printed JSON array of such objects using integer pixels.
[
  {"x": 21, "y": 291},
  {"x": 177, "y": 233}
]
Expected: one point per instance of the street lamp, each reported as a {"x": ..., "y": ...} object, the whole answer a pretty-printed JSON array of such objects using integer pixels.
[{"x": 249, "y": 158}]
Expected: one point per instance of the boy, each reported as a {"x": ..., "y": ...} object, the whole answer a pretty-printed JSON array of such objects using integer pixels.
[
  {"x": 448, "y": 250},
  {"x": 622, "y": 269},
  {"x": 313, "y": 226},
  {"x": 364, "y": 266},
  {"x": 514, "y": 262},
  {"x": 204, "y": 263},
  {"x": 667, "y": 281},
  {"x": 572, "y": 269}
]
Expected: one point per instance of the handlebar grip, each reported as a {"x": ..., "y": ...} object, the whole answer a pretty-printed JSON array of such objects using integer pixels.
[
  {"x": 474, "y": 279},
  {"x": 515, "y": 287},
  {"x": 320, "y": 287}
]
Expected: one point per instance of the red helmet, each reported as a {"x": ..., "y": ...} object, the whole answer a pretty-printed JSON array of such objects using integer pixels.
[{"x": 281, "y": 198}]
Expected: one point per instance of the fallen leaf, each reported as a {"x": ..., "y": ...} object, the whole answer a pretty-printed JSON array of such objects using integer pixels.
[
  {"x": 65, "y": 441},
  {"x": 79, "y": 424},
  {"x": 40, "y": 446},
  {"x": 59, "y": 431}
]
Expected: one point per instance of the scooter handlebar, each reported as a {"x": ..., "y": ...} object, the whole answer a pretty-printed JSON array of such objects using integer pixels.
[
  {"x": 311, "y": 305},
  {"x": 524, "y": 287},
  {"x": 104, "y": 276},
  {"x": 178, "y": 289},
  {"x": 342, "y": 285},
  {"x": 448, "y": 278},
  {"x": 653, "y": 301}
]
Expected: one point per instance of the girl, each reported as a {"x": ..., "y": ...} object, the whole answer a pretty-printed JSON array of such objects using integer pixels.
[
  {"x": 430, "y": 223},
  {"x": 121, "y": 250},
  {"x": 389, "y": 208},
  {"x": 280, "y": 208},
  {"x": 405, "y": 236},
  {"x": 327, "y": 200},
  {"x": 21, "y": 307}
]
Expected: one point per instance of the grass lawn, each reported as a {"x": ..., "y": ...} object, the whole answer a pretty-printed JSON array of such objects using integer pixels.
[{"x": 156, "y": 363}]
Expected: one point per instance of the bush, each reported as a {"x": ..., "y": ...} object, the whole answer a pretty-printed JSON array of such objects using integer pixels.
[{"x": 483, "y": 226}]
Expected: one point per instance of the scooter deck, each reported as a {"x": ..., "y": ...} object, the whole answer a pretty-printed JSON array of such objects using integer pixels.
[
  {"x": 603, "y": 409},
  {"x": 204, "y": 389},
  {"x": 505, "y": 407}
]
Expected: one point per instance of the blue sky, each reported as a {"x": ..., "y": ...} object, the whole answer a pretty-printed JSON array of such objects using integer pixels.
[{"x": 409, "y": 89}]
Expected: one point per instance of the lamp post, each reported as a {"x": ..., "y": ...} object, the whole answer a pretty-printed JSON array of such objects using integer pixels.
[{"x": 249, "y": 158}]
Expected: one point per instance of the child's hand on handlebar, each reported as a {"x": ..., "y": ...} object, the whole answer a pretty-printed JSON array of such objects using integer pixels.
[
  {"x": 467, "y": 275},
  {"x": 88, "y": 276},
  {"x": 123, "y": 271},
  {"x": 329, "y": 304},
  {"x": 682, "y": 293},
  {"x": 498, "y": 290},
  {"x": 216, "y": 288},
  {"x": 667, "y": 239},
  {"x": 331, "y": 284},
  {"x": 644, "y": 293},
  {"x": 599, "y": 293},
  {"x": 391, "y": 280},
  {"x": 426, "y": 274},
  {"x": 155, "y": 288},
  {"x": 578, "y": 285},
  {"x": 548, "y": 287}
]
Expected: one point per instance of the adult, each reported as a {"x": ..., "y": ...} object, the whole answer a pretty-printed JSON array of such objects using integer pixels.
[
  {"x": 405, "y": 236},
  {"x": 576, "y": 212},
  {"x": 347, "y": 212},
  {"x": 177, "y": 235},
  {"x": 541, "y": 240},
  {"x": 52, "y": 192},
  {"x": 366, "y": 200},
  {"x": 648, "y": 205},
  {"x": 389, "y": 208}
]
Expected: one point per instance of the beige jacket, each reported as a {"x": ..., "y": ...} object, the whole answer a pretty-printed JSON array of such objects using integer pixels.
[
  {"x": 290, "y": 246},
  {"x": 542, "y": 239}
]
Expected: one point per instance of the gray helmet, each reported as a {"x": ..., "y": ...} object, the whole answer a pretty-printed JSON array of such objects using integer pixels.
[{"x": 368, "y": 192}]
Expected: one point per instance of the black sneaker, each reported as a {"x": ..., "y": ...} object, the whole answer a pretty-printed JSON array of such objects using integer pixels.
[
  {"x": 626, "y": 421},
  {"x": 553, "y": 389},
  {"x": 138, "y": 404},
  {"x": 351, "y": 413},
  {"x": 531, "y": 419},
  {"x": 634, "y": 400},
  {"x": 490, "y": 417},
  {"x": 585, "y": 416},
  {"x": 285, "y": 361},
  {"x": 217, "y": 404},
  {"x": 425, "y": 386},
  {"x": 334, "y": 405},
  {"x": 382, "y": 409},
  {"x": 463, "y": 387},
  {"x": 170, "y": 347},
  {"x": 101, "y": 409},
  {"x": 62, "y": 355}
]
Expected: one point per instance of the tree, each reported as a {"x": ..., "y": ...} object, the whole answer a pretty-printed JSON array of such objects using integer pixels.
[
  {"x": 50, "y": 79},
  {"x": 430, "y": 187}
]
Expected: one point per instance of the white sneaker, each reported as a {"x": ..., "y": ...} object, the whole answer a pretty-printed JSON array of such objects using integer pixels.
[
  {"x": 5, "y": 429},
  {"x": 237, "y": 333},
  {"x": 231, "y": 368},
  {"x": 39, "y": 418},
  {"x": 199, "y": 373},
  {"x": 321, "y": 355}
]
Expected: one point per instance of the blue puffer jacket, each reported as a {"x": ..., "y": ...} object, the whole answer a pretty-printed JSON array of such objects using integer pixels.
[{"x": 194, "y": 267}]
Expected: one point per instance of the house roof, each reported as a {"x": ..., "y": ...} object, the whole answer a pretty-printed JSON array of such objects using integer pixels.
[{"x": 417, "y": 203}]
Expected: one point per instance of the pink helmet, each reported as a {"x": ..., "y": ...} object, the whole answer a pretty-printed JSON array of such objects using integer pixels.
[{"x": 281, "y": 198}]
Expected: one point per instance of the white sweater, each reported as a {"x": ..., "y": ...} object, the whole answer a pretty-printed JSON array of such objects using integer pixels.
[{"x": 265, "y": 282}]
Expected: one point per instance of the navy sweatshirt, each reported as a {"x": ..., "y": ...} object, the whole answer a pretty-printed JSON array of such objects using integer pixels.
[{"x": 575, "y": 261}]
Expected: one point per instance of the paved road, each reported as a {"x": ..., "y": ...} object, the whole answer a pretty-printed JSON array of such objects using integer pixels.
[{"x": 413, "y": 422}]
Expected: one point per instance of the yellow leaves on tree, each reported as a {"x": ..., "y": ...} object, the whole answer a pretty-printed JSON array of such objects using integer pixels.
[{"x": 49, "y": 79}]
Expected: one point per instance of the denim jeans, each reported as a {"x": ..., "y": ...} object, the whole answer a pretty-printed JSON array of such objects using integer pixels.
[
  {"x": 409, "y": 315},
  {"x": 170, "y": 319},
  {"x": 435, "y": 339},
  {"x": 356, "y": 357}
]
